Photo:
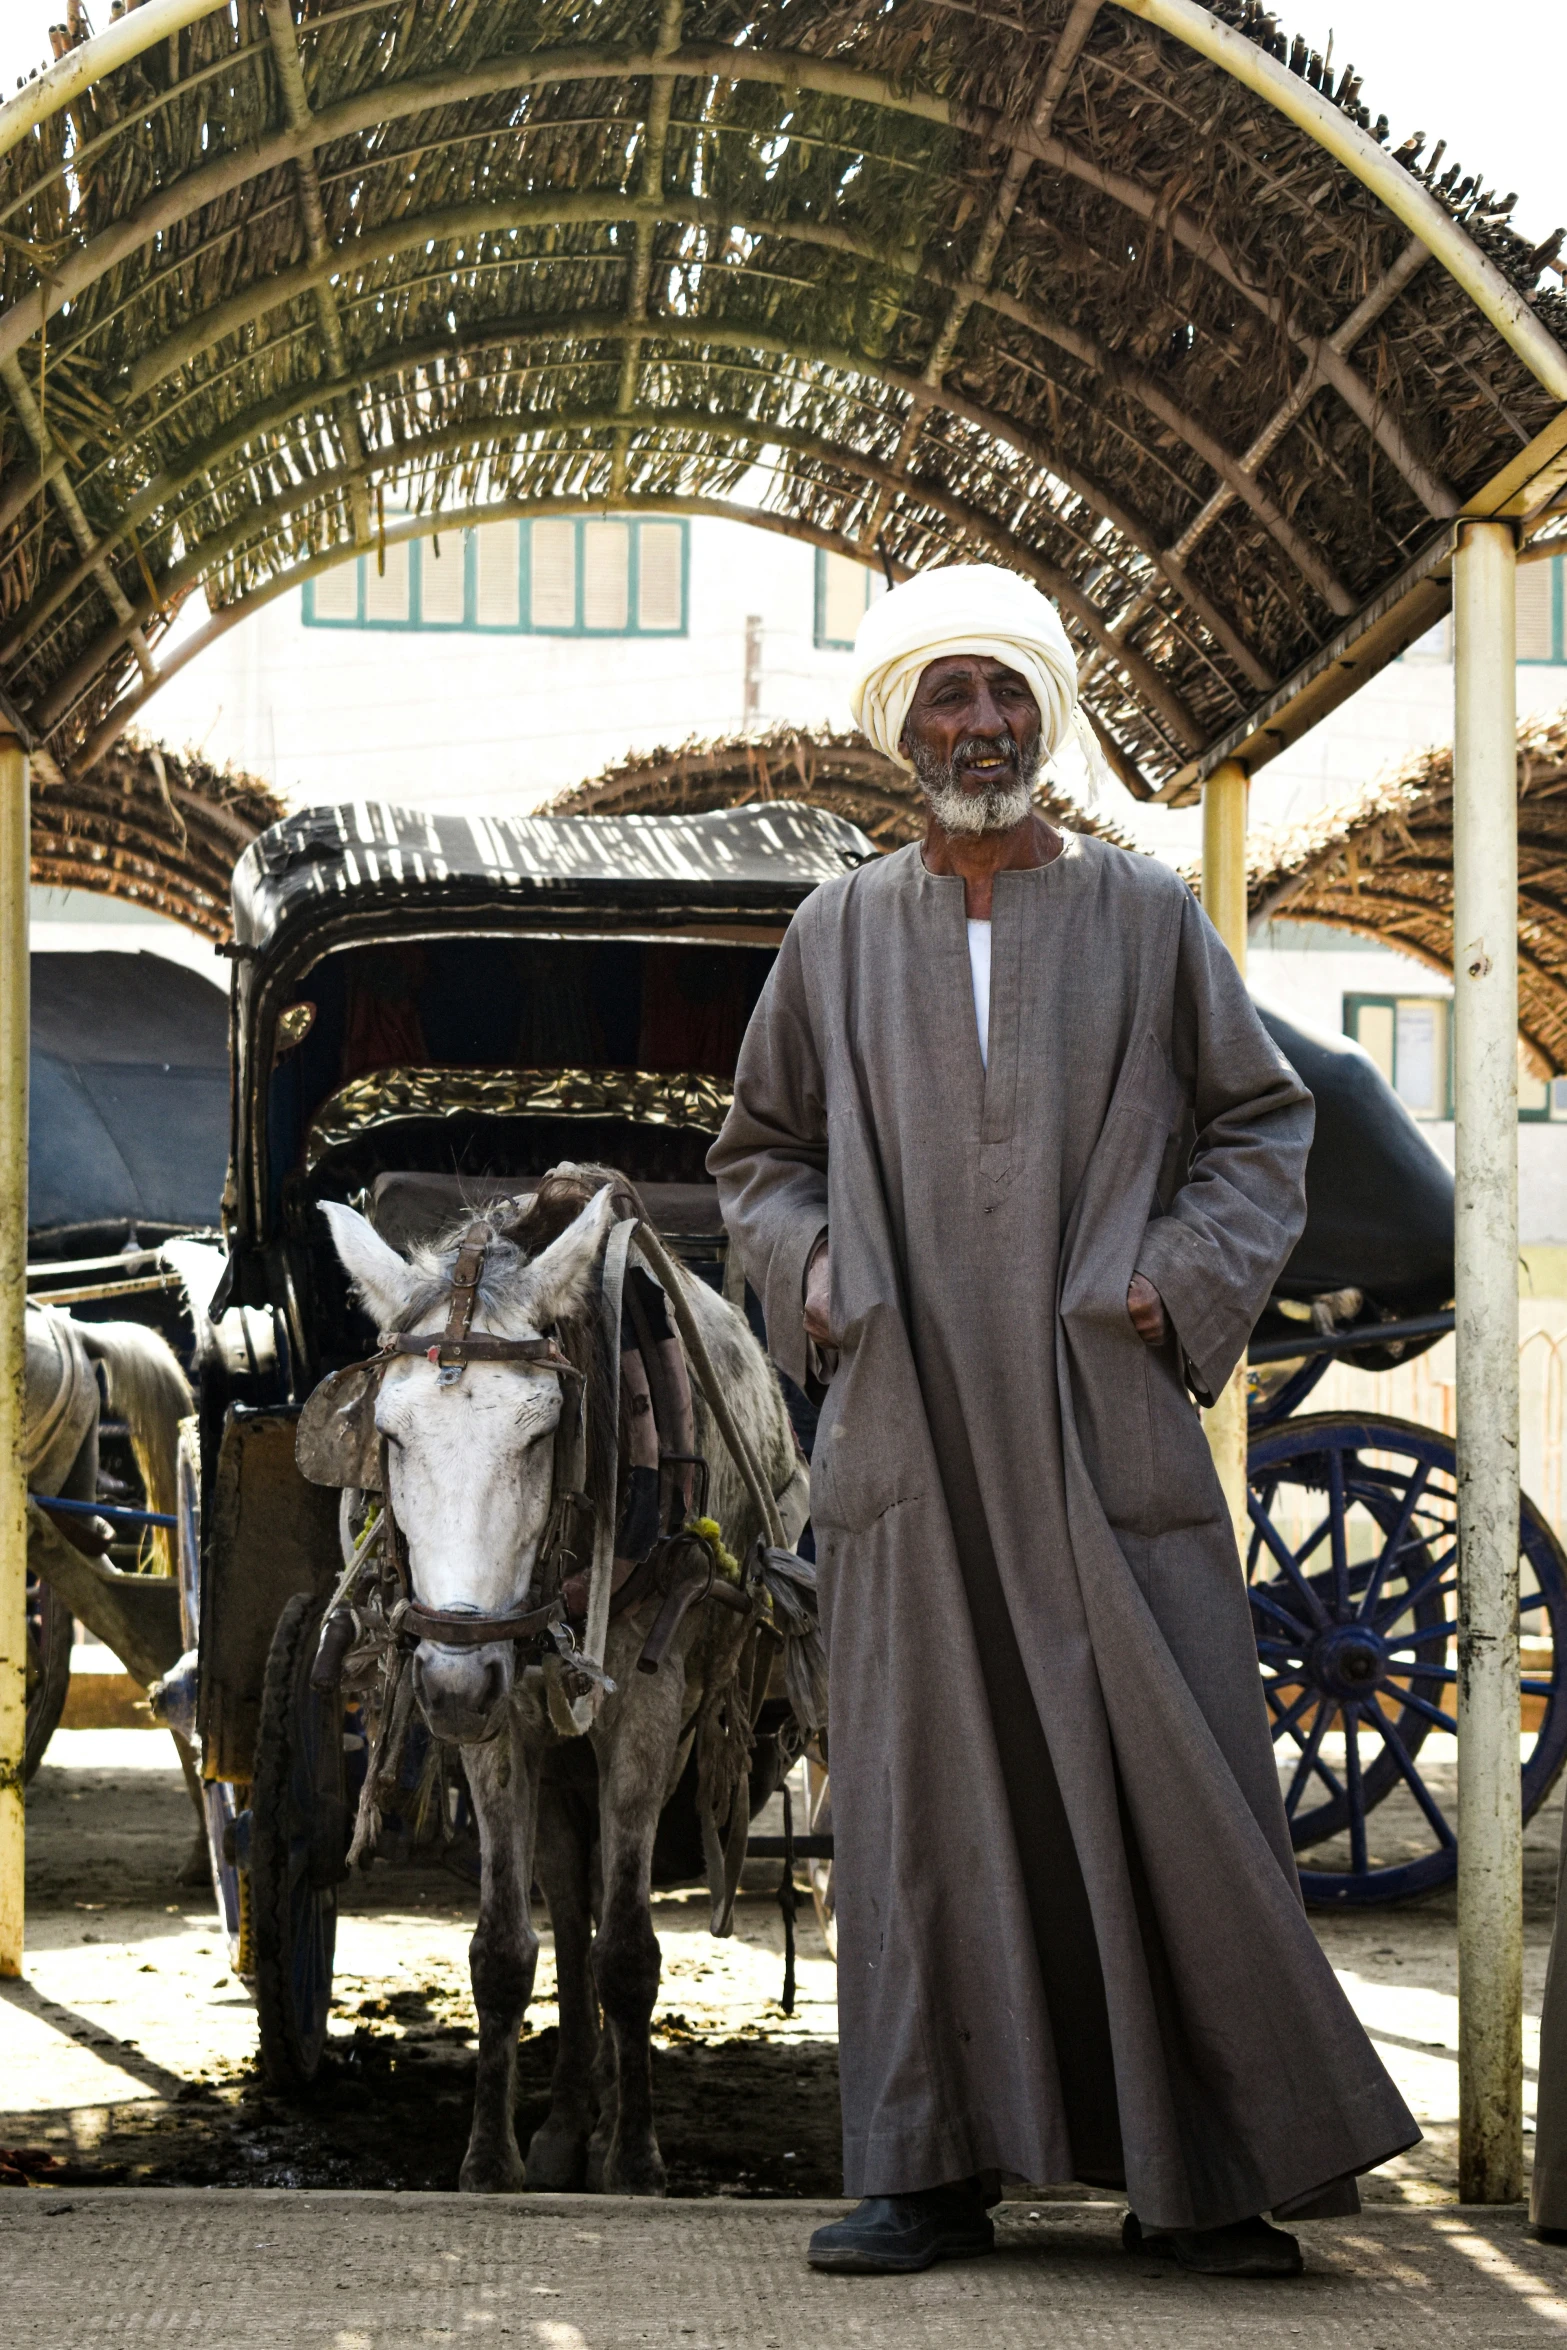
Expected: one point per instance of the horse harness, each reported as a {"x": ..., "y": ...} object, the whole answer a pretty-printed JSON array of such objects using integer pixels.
[{"x": 338, "y": 1421}]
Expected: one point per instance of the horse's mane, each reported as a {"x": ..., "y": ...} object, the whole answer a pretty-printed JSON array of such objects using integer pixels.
[{"x": 561, "y": 1196}]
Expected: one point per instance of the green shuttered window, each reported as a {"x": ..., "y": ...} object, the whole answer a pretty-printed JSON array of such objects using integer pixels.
[{"x": 553, "y": 577}]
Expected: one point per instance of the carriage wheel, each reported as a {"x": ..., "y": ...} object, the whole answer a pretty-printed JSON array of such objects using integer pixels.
[
  {"x": 298, "y": 1850},
  {"x": 222, "y": 1805},
  {"x": 49, "y": 1634},
  {"x": 1352, "y": 1574}
]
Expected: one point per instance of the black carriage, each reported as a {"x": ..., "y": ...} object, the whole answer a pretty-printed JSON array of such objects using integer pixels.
[
  {"x": 1352, "y": 1562},
  {"x": 429, "y": 1012}
]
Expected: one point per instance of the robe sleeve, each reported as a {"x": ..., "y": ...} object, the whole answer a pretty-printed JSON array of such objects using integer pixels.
[
  {"x": 770, "y": 1161},
  {"x": 1230, "y": 1228}
]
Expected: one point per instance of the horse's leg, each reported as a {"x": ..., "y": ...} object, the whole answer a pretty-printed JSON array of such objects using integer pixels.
[
  {"x": 503, "y": 1781},
  {"x": 557, "y": 2152},
  {"x": 634, "y": 1753}
]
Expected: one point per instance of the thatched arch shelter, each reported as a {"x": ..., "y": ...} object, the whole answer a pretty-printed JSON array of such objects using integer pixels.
[
  {"x": 1382, "y": 867},
  {"x": 157, "y": 828},
  {"x": 826, "y": 770},
  {"x": 1127, "y": 293}
]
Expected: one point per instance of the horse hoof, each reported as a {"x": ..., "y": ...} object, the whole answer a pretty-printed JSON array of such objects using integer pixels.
[
  {"x": 557, "y": 2161},
  {"x": 642, "y": 2174},
  {"x": 484, "y": 2175}
]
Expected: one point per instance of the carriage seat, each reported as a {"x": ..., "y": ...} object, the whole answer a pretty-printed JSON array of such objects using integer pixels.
[{"x": 407, "y": 1208}]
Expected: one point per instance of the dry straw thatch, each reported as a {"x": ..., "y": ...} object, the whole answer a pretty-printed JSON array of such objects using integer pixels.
[
  {"x": 1023, "y": 279},
  {"x": 1382, "y": 866},
  {"x": 824, "y": 769},
  {"x": 159, "y": 828}
]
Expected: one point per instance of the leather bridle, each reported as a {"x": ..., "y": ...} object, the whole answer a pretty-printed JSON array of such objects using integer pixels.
[{"x": 454, "y": 1350}]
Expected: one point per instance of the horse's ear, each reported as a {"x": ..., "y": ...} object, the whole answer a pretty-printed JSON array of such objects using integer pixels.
[
  {"x": 383, "y": 1281},
  {"x": 554, "y": 1282}
]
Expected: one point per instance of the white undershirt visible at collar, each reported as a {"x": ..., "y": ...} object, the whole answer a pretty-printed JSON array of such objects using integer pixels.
[{"x": 979, "y": 968}]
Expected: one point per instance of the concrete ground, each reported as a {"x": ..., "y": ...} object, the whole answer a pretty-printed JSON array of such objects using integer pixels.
[
  {"x": 322, "y": 2271},
  {"x": 128, "y": 2092}
]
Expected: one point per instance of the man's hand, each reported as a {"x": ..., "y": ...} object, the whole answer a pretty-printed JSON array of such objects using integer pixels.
[
  {"x": 818, "y": 1297},
  {"x": 1145, "y": 1306}
]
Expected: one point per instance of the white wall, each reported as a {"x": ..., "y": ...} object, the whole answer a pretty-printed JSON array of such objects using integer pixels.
[
  {"x": 502, "y": 721},
  {"x": 80, "y": 922}
]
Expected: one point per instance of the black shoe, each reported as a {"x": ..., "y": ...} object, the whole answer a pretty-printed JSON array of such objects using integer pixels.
[
  {"x": 1246, "y": 2248},
  {"x": 1544, "y": 2235},
  {"x": 891, "y": 2234}
]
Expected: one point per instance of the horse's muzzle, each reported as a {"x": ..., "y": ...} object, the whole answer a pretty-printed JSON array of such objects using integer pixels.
[{"x": 462, "y": 1692}]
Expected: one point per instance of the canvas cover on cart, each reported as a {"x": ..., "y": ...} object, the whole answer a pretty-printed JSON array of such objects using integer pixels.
[{"x": 129, "y": 1116}]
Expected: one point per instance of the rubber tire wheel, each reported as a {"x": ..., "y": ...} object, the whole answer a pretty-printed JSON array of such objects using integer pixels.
[
  {"x": 49, "y": 1634},
  {"x": 298, "y": 1846}
]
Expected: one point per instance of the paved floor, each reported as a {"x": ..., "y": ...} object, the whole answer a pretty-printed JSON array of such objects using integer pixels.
[
  {"x": 128, "y": 2050},
  {"x": 126, "y": 2054},
  {"x": 324, "y": 2271}
]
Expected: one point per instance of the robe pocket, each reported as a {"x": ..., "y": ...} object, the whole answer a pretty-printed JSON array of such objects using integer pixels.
[
  {"x": 1143, "y": 1443},
  {"x": 1185, "y": 1484},
  {"x": 857, "y": 1472},
  {"x": 1118, "y": 1194}
]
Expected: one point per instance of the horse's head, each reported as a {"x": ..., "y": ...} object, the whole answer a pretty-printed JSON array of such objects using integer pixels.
[{"x": 470, "y": 1454}]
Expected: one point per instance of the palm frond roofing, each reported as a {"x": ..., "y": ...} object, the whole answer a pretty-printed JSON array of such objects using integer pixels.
[
  {"x": 1382, "y": 867},
  {"x": 1030, "y": 281},
  {"x": 158, "y": 828}
]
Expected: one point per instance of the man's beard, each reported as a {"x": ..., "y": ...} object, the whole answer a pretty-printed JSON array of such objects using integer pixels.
[{"x": 998, "y": 805}]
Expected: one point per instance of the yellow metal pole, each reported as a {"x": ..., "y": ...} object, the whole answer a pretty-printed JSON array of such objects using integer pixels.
[
  {"x": 1224, "y": 902},
  {"x": 1485, "y": 999},
  {"x": 14, "y": 873}
]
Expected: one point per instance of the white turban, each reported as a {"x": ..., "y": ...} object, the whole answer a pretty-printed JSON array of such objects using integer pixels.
[{"x": 964, "y": 608}]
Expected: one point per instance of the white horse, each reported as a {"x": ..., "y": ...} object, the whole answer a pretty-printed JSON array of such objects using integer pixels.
[{"x": 470, "y": 1459}]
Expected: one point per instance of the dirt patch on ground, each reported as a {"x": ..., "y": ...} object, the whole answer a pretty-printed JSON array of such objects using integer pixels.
[
  {"x": 391, "y": 2110},
  {"x": 128, "y": 2053},
  {"x": 130, "y": 2048}
]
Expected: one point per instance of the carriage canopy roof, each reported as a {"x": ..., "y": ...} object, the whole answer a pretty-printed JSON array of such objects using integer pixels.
[
  {"x": 1130, "y": 294},
  {"x": 760, "y": 861}
]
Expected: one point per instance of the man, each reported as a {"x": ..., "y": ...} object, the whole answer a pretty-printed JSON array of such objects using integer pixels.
[{"x": 1009, "y": 1141}]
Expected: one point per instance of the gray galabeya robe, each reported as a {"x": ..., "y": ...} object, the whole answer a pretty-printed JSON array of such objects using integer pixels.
[{"x": 1071, "y": 1941}]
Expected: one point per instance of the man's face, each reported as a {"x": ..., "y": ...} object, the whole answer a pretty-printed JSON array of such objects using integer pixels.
[{"x": 973, "y": 734}]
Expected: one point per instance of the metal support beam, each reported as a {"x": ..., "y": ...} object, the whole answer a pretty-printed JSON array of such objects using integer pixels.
[
  {"x": 14, "y": 1024},
  {"x": 1485, "y": 988},
  {"x": 1224, "y": 902}
]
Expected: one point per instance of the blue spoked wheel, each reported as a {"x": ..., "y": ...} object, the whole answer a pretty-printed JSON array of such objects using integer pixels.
[
  {"x": 299, "y": 1832},
  {"x": 1352, "y": 1572}
]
